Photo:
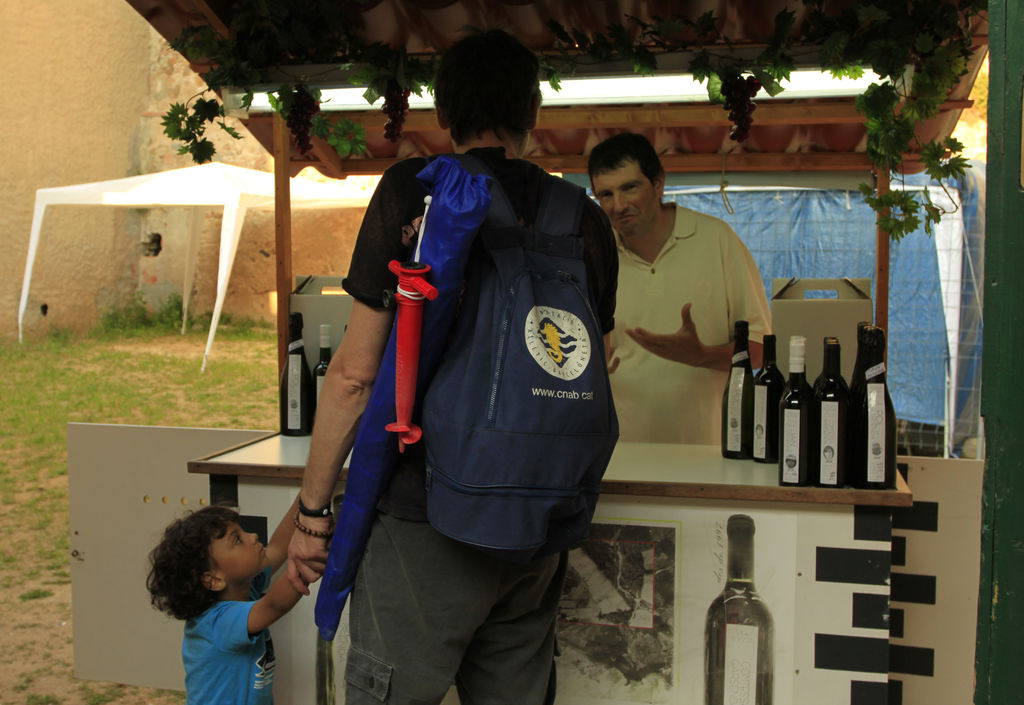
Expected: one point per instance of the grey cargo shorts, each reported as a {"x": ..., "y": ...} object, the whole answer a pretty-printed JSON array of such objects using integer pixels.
[{"x": 427, "y": 612}]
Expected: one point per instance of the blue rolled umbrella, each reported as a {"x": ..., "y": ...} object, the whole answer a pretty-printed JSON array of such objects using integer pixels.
[{"x": 459, "y": 202}]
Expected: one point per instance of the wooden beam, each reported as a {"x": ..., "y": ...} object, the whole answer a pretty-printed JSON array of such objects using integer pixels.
[
  {"x": 882, "y": 259},
  {"x": 803, "y": 161},
  {"x": 282, "y": 233},
  {"x": 833, "y": 111},
  {"x": 327, "y": 155}
]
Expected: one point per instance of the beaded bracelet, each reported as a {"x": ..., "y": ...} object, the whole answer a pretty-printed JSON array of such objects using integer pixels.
[{"x": 311, "y": 532}]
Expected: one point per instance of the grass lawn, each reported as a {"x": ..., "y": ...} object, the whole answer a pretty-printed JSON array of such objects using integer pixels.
[{"x": 125, "y": 374}]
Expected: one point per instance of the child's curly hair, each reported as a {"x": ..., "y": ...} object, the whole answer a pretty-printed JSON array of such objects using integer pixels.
[{"x": 180, "y": 560}]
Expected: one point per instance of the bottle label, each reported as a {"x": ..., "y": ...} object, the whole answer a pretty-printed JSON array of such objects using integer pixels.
[
  {"x": 740, "y": 356},
  {"x": 874, "y": 371},
  {"x": 295, "y": 345},
  {"x": 791, "y": 446},
  {"x": 294, "y": 391},
  {"x": 760, "y": 420},
  {"x": 740, "y": 686},
  {"x": 734, "y": 414},
  {"x": 319, "y": 386},
  {"x": 828, "y": 448},
  {"x": 876, "y": 433}
]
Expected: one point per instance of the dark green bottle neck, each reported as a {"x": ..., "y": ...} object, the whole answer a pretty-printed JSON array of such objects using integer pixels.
[
  {"x": 831, "y": 361},
  {"x": 740, "y": 346},
  {"x": 295, "y": 327},
  {"x": 768, "y": 351}
]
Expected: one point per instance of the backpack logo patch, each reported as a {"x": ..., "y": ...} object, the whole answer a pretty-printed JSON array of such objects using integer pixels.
[{"x": 558, "y": 341}]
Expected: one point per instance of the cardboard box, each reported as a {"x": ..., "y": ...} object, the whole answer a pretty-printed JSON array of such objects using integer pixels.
[
  {"x": 320, "y": 299},
  {"x": 816, "y": 308}
]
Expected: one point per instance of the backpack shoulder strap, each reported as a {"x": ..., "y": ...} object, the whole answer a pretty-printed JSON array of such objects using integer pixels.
[
  {"x": 501, "y": 214},
  {"x": 561, "y": 207},
  {"x": 561, "y": 203}
]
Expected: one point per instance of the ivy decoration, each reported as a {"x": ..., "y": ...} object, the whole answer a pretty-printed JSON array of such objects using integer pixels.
[
  {"x": 932, "y": 37},
  {"x": 187, "y": 124},
  {"x": 395, "y": 76}
]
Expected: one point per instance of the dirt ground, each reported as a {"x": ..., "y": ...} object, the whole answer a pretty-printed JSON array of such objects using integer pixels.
[{"x": 36, "y": 627}]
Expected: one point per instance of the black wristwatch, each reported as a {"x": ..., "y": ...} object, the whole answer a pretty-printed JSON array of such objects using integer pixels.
[{"x": 324, "y": 511}]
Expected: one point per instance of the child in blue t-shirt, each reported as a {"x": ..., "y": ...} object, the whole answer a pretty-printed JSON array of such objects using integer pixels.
[{"x": 209, "y": 572}]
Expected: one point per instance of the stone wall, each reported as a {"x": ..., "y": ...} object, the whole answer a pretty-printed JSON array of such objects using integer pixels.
[{"x": 88, "y": 83}]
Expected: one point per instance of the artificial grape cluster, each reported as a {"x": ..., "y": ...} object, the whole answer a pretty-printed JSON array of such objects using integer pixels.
[
  {"x": 300, "y": 118},
  {"x": 738, "y": 92},
  {"x": 396, "y": 107}
]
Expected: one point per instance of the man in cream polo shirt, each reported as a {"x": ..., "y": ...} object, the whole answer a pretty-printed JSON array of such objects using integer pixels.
[{"x": 685, "y": 278}]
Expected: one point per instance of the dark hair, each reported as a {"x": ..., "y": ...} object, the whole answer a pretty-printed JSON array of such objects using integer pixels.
[
  {"x": 487, "y": 81},
  {"x": 615, "y": 151},
  {"x": 180, "y": 560}
]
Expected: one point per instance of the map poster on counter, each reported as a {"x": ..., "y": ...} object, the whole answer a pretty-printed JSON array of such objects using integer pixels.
[{"x": 637, "y": 622}]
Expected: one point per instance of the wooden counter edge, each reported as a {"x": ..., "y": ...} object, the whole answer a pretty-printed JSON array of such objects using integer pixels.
[{"x": 900, "y": 497}]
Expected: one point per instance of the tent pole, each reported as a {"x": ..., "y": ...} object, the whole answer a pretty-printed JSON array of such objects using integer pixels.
[
  {"x": 882, "y": 259},
  {"x": 282, "y": 233}
]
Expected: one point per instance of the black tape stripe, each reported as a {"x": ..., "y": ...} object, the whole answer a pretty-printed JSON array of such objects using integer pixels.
[
  {"x": 872, "y": 523},
  {"x": 895, "y": 623},
  {"x": 224, "y": 489},
  {"x": 868, "y": 693},
  {"x": 919, "y": 589},
  {"x": 870, "y": 611},
  {"x": 851, "y": 653},
  {"x": 922, "y": 516},
  {"x": 852, "y": 565},
  {"x": 899, "y": 550},
  {"x": 912, "y": 660}
]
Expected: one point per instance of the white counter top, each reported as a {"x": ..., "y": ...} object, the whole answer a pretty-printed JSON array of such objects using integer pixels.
[{"x": 646, "y": 469}]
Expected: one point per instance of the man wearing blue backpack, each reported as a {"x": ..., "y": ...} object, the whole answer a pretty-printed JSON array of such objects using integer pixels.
[{"x": 426, "y": 610}]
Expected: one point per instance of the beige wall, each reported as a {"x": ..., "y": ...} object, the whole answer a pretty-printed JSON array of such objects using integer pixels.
[{"x": 86, "y": 85}]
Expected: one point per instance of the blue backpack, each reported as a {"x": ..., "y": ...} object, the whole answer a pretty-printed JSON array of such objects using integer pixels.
[{"x": 518, "y": 420}]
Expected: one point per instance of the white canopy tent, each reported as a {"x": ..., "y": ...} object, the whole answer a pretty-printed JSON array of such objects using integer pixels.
[{"x": 213, "y": 185}]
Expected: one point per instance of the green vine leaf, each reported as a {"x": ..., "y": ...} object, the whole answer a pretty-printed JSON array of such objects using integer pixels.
[
  {"x": 551, "y": 73},
  {"x": 348, "y": 138},
  {"x": 701, "y": 68},
  {"x": 705, "y": 25},
  {"x": 715, "y": 89}
]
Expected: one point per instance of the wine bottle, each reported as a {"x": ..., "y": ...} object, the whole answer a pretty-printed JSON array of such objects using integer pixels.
[
  {"x": 298, "y": 395},
  {"x": 739, "y": 656},
  {"x": 857, "y": 376},
  {"x": 768, "y": 386},
  {"x": 738, "y": 400},
  {"x": 854, "y": 431},
  {"x": 831, "y": 405},
  {"x": 875, "y": 420},
  {"x": 325, "y": 358},
  {"x": 795, "y": 409}
]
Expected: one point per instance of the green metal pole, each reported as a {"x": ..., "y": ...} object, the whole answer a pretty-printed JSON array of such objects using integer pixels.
[{"x": 1001, "y": 594}]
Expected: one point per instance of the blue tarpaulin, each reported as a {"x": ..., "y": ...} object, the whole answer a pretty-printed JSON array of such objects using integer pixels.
[{"x": 814, "y": 233}]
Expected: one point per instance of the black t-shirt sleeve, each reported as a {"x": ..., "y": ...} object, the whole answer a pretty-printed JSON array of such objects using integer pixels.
[{"x": 397, "y": 201}]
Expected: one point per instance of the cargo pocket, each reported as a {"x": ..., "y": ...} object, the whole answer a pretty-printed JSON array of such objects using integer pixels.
[{"x": 368, "y": 674}]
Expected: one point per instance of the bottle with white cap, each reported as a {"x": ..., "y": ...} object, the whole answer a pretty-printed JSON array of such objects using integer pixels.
[{"x": 795, "y": 411}]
